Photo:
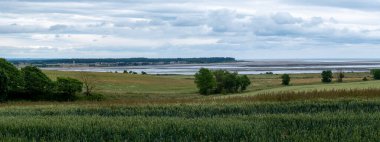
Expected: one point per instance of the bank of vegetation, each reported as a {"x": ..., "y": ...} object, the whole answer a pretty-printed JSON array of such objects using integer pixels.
[{"x": 30, "y": 83}]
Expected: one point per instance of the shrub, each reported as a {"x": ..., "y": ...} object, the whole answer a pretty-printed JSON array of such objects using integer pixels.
[
  {"x": 376, "y": 74},
  {"x": 268, "y": 72},
  {"x": 67, "y": 87},
  {"x": 244, "y": 82},
  {"x": 94, "y": 97},
  {"x": 285, "y": 79},
  {"x": 365, "y": 79},
  {"x": 37, "y": 84},
  {"x": 327, "y": 76},
  {"x": 4, "y": 86},
  {"x": 143, "y": 73},
  {"x": 205, "y": 81}
]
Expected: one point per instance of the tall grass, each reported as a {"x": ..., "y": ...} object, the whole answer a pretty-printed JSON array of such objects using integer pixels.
[
  {"x": 198, "y": 110},
  {"x": 345, "y": 120},
  {"x": 302, "y": 127},
  {"x": 311, "y": 95}
]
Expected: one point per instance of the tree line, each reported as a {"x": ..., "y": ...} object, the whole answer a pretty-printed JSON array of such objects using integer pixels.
[{"x": 30, "y": 83}]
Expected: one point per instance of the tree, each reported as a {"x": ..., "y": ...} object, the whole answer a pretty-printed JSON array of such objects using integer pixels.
[
  {"x": 4, "y": 86},
  {"x": 340, "y": 76},
  {"x": 220, "y": 81},
  {"x": 67, "y": 87},
  {"x": 89, "y": 82},
  {"x": 244, "y": 82},
  {"x": 327, "y": 76},
  {"x": 205, "y": 81},
  {"x": 285, "y": 79},
  {"x": 15, "y": 81},
  {"x": 220, "y": 76},
  {"x": 37, "y": 84},
  {"x": 231, "y": 82},
  {"x": 376, "y": 74}
]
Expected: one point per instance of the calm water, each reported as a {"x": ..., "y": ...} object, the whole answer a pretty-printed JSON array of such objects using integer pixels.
[{"x": 246, "y": 67}]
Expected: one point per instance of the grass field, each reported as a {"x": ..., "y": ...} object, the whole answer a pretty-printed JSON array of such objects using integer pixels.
[
  {"x": 168, "y": 108},
  {"x": 126, "y": 86}
]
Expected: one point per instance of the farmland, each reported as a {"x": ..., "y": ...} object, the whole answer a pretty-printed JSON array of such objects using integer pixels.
[{"x": 168, "y": 108}]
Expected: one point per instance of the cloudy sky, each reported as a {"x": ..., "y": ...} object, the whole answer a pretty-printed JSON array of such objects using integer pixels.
[{"x": 245, "y": 29}]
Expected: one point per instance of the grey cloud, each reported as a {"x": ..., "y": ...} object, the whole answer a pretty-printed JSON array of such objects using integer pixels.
[
  {"x": 285, "y": 18},
  {"x": 372, "y": 5},
  {"x": 285, "y": 25},
  {"x": 315, "y": 21},
  {"x": 15, "y": 28},
  {"x": 226, "y": 21},
  {"x": 58, "y": 27}
]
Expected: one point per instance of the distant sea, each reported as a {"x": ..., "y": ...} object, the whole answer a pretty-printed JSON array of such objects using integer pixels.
[{"x": 277, "y": 66}]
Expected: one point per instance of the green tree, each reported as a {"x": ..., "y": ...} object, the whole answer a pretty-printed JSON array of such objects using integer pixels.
[
  {"x": 285, "y": 79},
  {"x": 327, "y": 76},
  {"x": 376, "y": 74},
  {"x": 205, "y": 81},
  {"x": 4, "y": 86},
  {"x": 220, "y": 77},
  {"x": 67, "y": 87},
  {"x": 244, "y": 82},
  {"x": 37, "y": 84},
  {"x": 231, "y": 82},
  {"x": 15, "y": 81}
]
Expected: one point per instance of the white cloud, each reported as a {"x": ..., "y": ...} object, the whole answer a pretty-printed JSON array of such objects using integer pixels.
[{"x": 175, "y": 28}]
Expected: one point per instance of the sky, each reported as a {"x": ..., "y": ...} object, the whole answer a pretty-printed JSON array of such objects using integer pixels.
[{"x": 244, "y": 29}]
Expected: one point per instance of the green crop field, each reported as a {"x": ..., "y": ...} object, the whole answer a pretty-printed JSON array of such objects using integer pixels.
[{"x": 168, "y": 108}]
